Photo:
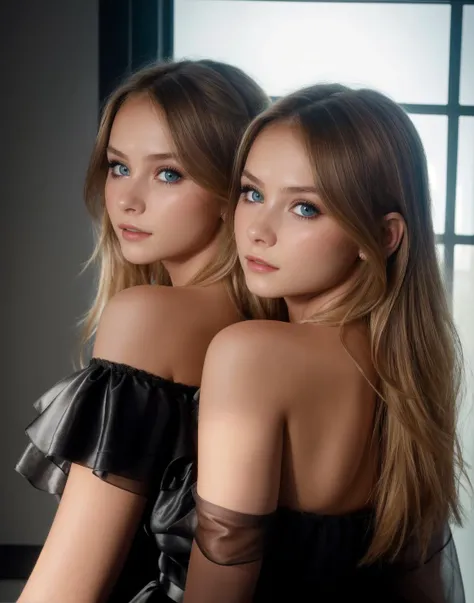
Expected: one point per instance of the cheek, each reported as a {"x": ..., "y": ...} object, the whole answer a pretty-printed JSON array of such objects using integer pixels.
[
  {"x": 202, "y": 208},
  {"x": 339, "y": 254},
  {"x": 109, "y": 194},
  {"x": 343, "y": 246},
  {"x": 327, "y": 252},
  {"x": 240, "y": 225},
  {"x": 186, "y": 207},
  {"x": 114, "y": 193}
]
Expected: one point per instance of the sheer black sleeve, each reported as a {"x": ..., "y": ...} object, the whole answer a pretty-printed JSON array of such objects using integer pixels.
[{"x": 226, "y": 556}]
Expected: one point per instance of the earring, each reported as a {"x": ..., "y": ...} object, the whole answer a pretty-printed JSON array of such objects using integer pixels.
[{"x": 362, "y": 256}]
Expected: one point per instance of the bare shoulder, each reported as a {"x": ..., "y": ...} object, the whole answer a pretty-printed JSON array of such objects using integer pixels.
[
  {"x": 138, "y": 308},
  {"x": 157, "y": 301},
  {"x": 136, "y": 324},
  {"x": 251, "y": 357},
  {"x": 254, "y": 337},
  {"x": 286, "y": 361}
]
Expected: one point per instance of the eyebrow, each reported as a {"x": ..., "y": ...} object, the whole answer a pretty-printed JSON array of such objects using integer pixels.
[
  {"x": 252, "y": 177},
  {"x": 287, "y": 189},
  {"x": 152, "y": 156}
]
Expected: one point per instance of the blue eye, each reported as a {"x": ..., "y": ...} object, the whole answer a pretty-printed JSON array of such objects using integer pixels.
[
  {"x": 251, "y": 195},
  {"x": 306, "y": 210},
  {"x": 169, "y": 176},
  {"x": 119, "y": 169}
]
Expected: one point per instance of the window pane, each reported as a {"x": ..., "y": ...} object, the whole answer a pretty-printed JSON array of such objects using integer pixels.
[
  {"x": 433, "y": 130},
  {"x": 466, "y": 94},
  {"x": 400, "y": 49},
  {"x": 464, "y": 316},
  {"x": 465, "y": 177}
]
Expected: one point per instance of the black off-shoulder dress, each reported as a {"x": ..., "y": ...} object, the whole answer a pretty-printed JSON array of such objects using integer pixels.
[{"x": 138, "y": 432}]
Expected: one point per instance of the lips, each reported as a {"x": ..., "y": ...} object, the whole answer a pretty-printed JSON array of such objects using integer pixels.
[
  {"x": 131, "y": 228},
  {"x": 133, "y": 234},
  {"x": 256, "y": 264},
  {"x": 257, "y": 260}
]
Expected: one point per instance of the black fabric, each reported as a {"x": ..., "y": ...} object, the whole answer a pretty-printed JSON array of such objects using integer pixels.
[
  {"x": 227, "y": 537},
  {"x": 308, "y": 556},
  {"x": 137, "y": 431},
  {"x": 438, "y": 579},
  {"x": 321, "y": 554}
]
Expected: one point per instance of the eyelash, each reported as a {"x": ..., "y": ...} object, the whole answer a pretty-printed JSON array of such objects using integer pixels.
[
  {"x": 246, "y": 189},
  {"x": 113, "y": 164},
  {"x": 307, "y": 204},
  {"x": 170, "y": 169}
]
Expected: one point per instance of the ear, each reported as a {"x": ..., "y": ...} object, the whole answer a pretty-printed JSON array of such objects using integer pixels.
[{"x": 394, "y": 227}]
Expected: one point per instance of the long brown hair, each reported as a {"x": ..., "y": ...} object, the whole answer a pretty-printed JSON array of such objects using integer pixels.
[
  {"x": 207, "y": 106},
  {"x": 369, "y": 161}
]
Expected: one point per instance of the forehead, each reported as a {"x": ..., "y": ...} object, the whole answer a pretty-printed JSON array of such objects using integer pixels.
[
  {"x": 140, "y": 121},
  {"x": 279, "y": 151}
]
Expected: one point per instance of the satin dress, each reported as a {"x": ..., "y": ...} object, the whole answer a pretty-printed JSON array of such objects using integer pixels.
[{"x": 137, "y": 431}]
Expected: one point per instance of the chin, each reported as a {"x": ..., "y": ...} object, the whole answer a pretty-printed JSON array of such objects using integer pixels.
[
  {"x": 139, "y": 259},
  {"x": 261, "y": 288}
]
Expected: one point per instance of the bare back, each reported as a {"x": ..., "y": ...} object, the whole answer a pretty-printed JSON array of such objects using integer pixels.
[
  {"x": 327, "y": 464},
  {"x": 300, "y": 407},
  {"x": 286, "y": 421}
]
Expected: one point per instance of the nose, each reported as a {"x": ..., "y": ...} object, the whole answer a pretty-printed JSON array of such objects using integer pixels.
[
  {"x": 132, "y": 199},
  {"x": 261, "y": 232}
]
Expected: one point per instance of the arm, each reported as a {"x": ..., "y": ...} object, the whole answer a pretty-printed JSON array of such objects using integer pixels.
[
  {"x": 241, "y": 422},
  {"x": 96, "y": 521},
  {"x": 87, "y": 544}
]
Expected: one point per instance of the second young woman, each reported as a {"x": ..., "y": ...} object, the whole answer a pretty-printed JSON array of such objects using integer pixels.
[{"x": 328, "y": 454}]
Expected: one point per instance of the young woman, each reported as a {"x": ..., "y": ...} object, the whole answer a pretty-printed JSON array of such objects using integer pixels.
[
  {"x": 328, "y": 456},
  {"x": 158, "y": 188}
]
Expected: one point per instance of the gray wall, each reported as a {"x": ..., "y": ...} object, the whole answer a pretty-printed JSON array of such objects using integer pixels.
[{"x": 48, "y": 119}]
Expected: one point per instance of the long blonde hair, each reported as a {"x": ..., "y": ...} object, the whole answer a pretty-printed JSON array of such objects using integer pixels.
[
  {"x": 369, "y": 161},
  {"x": 207, "y": 106}
]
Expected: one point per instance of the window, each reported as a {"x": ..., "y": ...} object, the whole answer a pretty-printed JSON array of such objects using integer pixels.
[
  {"x": 466, "y": 96},
  {"x": 400, "y": 49}
]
